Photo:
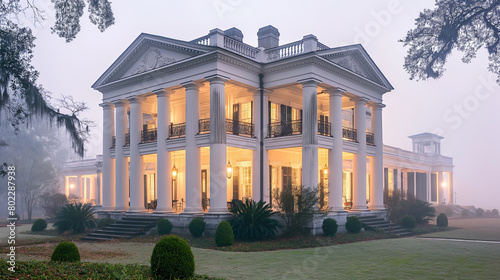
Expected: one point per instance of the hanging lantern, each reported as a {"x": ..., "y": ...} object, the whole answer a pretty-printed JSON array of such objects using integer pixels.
[
  {"x": 229, "y": 170},
  {"x": 325, "y": 170},
  {"x": 174, "y": 173}
]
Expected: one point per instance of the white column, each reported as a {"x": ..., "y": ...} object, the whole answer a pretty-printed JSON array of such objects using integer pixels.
[
  {"x": 121, "y": 168},
  {"x": 310, "y": 132},
  {"x": 335, "y": 153},
  {"x": 450, "y": 189},
  {"x": 163, "y": 173},
  {"x": 218, "y": 153},
  {"x": 256, "y": 152},
  {"x": 440, "y": 187},
  {"x": 66, "y": 186},
  {"x": 93, "y": 188},
  {"x": 136, "y": 168},
  {"x": 98, "y": 200},
  {"x": 265, "y": 160},
  {"x": 108, "y": 163},
  {"x": 377, "y": 187},
  {"x": 359, "y": 162},
  {"x": 193, "y": 154},
  {"x": 78, "y": 186}
]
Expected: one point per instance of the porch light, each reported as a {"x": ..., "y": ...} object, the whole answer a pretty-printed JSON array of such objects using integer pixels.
[
  {"x": 72, "y": 186},
  {"x": 229, "y": 170},
  {"x": 174, "y": 173},
  {"x": 443, "y": 185},
  {"x": 325, "y": 170}
]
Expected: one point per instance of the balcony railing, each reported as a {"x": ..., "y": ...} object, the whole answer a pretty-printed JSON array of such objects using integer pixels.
[
  {"x": 370, "y": 138},
  {"x": 278, "y": 129},
  {"x": 149, "y": 135},
  {"x": 177, "y": 130},
  {"x": 349, "y": 134},
  {"x": 232, "y": 127},
  {"x": 113, "y": 142},
  {"x": 324, "y": 128},
  {"x": 127, "y": 139}
]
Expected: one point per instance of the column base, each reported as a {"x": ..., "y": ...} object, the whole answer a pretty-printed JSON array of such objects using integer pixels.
[
  {"x": 359, "y": 208},
  {"x": 218, "y": 211},
  {"x": 163, "y": 211},
  {"x": 377, "y": 208},
  {"x": 193, "y": 210},
  {"x": 137, "y": 210},
  {"x": 106, "y": 209},
  {"x": 121, "y": 209}
]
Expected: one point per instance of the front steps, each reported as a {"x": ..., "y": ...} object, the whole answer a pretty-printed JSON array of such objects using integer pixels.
[
  {"x": 372, "y": 222},
  {"x": 127, "y": 227}
]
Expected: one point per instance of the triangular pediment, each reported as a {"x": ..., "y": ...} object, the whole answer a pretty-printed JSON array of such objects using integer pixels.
[
  {"x": 147, "y": 53},
  {"x": 355, "y": 59}
]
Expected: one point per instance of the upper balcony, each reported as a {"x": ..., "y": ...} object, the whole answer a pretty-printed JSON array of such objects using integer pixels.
[{"x": 232, "y": 127}]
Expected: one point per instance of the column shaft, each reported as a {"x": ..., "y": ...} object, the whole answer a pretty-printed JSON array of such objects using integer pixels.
[
  {"x": 136, "y": 168},
  {"x": 377, "y": 187},
  {"x": 310, "y": 133},
  {"x": 218, "y": 153},
  {"x": 440, "y": 188},
  {"x": 256, "y": 152},
  {"x": 108, "y": 163},
  {"x": 450, "y": 189},
  {"x": 121, "y": 164},
  {"x": 335, "y": 153},
  {"x": 163, "y": 173},
  {"x": 193, "y": 155},
  {"x": 359, "y": 162}
]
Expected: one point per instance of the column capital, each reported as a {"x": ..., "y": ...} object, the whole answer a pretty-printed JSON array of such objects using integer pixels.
[
  {"x": 309, "y": 82},
  {"x": 135, "y": 100},
  {"x": 359, "y": 100},
  {"x": 163, "y": 92},
  {"x": 376, "y": 105},
  {"x": 217, "y": 79},
  {"x": 335, "y": 91},
  {"x": 121, "y": 103},
  {"x": 192, "y": 85},
  {"x": 107, "y": 105}
]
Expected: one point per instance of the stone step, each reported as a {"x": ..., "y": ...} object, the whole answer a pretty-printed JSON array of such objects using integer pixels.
[
  {"x": 89, "y": 238},
  {"x": 108, "y": 235},
  {"x": 120, "y": 232}
]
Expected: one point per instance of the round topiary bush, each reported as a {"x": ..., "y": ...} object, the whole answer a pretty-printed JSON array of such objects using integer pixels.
[
  {"x": 224, "y": 235},
  {"x": 442, "y": 220},
  {"x": 329, "y": 226},
  {"x": 65, "y": 252},
  {"x": 494, "y": 212},
  {"x": 479, "y": 212},
  {"x": 408, "y": 221},
  {"x": 172, "y": 258},
  {"x": 353, "y": 224},
  {"x": 197, "y": 227},
  {"x": 104, "y": 222},
  {"x": 164, "y": 226},
  {"x": 448, "y": 212},
  {"x": 39, "y": 225},
  {"x": 465, "y": 213}
]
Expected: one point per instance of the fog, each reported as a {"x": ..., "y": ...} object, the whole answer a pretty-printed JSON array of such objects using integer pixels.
[{"x": 459, "y": 106}]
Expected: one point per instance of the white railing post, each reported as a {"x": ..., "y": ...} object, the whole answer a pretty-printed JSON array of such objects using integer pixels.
[
  {"x": 216, "y": 37},
  {"x": 310, "y": 43}
]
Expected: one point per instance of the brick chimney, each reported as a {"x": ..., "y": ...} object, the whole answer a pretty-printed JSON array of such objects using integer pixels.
[
  {"x": 234, "y": 33},
  {"x": 268, "y": 37}
]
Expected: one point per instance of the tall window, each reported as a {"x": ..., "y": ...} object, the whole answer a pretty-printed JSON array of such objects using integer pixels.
[
  {"x": 247, "y": 181},
  {"x": 296, "y": 114},
  {"x": 296, "y": 179},
  {"x": 348, "y": 118},
  {"x": 246, "y": 112},
  {"x": 274, "y": 113}
]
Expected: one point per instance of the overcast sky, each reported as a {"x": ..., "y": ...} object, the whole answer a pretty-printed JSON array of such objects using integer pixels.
[{"x": 460, "y": 106}]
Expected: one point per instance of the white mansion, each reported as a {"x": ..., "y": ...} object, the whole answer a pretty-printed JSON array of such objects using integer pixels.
[{"x": 190, "y": 126}]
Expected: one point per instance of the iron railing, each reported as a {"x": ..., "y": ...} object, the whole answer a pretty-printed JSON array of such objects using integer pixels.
[
  {"x": 127, "y": 139},
  {"x": 113, "y": 142},
  {"x": 177, "y": 130},
  {"x": 232, "y": 127},
  {"x": 324, "y": 128},
  {"x": 149, "y": 135},
  {"x": 349, "y": 134},
  {"x": 286, "y": 128},
  {"x": 370, "y": 138}
]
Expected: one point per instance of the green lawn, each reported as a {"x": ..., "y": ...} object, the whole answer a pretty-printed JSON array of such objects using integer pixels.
[{"x": 473, "y": 229}]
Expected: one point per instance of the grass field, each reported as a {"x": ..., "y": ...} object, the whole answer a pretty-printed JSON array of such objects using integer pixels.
[{"x": 402, "y": 258}]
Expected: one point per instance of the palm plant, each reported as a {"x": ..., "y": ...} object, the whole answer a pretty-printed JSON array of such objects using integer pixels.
[
  {"x": 76, "y": 217},
  {"x": 253, "y": 221}
]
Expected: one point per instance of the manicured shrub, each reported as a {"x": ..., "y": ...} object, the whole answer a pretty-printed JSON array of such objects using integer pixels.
[
  {"x": 76, "y": 217},
  {"x": 465, "y": 213},
  {"x": 408, "y": 221},
  {"x": 353, "y": 224},
  {"x": 494, "y": 212},
  {"x": 164, "y": 226},
  {"x": 442, "y": 220},
  {"x": 329, "y": 226},
  {"x": 449, "y": 212},
  {"x": 172, "y": 258},
  {"x": 197, "y": 227},
  {"x": 65, "y": 252},
  {"x": 39, "y": 225},
  {"x": 479, "y": 212},
  {"x": 104, "y": 222},
  {"x": 224, "y": 235},
  {"x": 398, "y": 207},
  {"x": 253, "y": 221}
]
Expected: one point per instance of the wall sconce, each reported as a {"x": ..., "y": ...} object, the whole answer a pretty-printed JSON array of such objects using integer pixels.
[
  {"x": 174, "y": 173},
  {"x": 72, "y": 186},
  {"x": 325, "y": 170},
  {"x": 229, "y": 170}
]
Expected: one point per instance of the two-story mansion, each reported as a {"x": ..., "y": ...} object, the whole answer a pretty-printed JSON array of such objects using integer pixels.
[{"x": 191, "y": 125}]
